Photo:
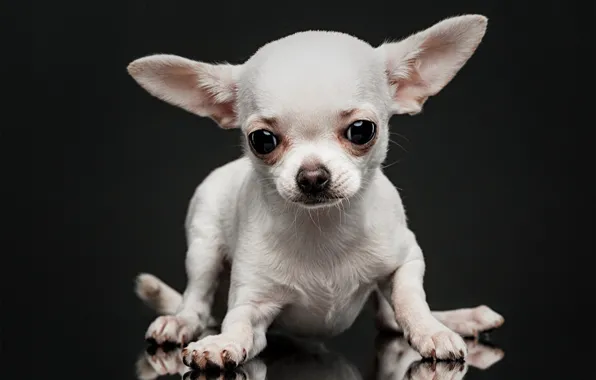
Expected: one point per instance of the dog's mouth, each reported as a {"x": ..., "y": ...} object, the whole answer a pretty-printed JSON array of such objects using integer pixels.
[{"x": 312, "y": 201}]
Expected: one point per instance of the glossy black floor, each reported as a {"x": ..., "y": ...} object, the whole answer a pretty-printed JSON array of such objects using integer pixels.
[
  {"x": 106, "y": 342},
  {"x": 364, "y": 353}
]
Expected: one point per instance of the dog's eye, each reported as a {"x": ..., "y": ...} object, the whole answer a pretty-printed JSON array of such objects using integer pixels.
[
  {"x": 262, "y": 141},
  {"x": 360, "y": 132}
]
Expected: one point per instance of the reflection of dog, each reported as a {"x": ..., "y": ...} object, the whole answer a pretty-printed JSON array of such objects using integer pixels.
[
  {"x": 157, "y": 361},
  {"x": 287, "y": 358},
  {"x": 309, "y": 221},
  {"x": 397, "y": 360},
  {"x": 154, "y": 364}
]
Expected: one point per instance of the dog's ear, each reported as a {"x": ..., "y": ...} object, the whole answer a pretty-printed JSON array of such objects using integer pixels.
[
  {"x": 204, "y": 89},
  {"x": 420, "y": 66}
]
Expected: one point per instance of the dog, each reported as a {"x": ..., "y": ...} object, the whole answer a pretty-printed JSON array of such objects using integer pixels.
[{"x": 306, "y": 217}]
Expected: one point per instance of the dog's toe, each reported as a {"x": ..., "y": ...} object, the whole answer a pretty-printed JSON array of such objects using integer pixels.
[{"x": 213, "y": 352}]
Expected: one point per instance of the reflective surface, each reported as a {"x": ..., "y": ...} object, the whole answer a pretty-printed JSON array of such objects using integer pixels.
[
  {"x": 288, "y": 358},
  {"x": 98, "y": 338}
]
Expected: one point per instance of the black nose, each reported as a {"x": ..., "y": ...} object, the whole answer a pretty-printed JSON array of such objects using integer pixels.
[{"x": 313, "y": 180}]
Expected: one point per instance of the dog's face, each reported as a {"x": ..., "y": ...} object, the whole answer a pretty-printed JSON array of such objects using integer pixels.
[
  {"x": 314, "y": 109},
  {"x": 314, "y": 106}
]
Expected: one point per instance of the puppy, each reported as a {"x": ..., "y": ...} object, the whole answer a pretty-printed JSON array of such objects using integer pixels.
[{"x": 307, "y": 219}]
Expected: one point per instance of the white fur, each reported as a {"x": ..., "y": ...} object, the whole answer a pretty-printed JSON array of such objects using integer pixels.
[{"x": 308, "y": 269}]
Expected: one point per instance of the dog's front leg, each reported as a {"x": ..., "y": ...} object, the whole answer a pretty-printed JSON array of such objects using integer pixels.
[
  {"x": 242, "y": 337},
  {"x": 425, "y": 333},
  {"x": 204, "y": 261}
]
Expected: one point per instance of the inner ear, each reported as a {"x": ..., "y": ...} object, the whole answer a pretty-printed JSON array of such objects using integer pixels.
[
  {"x": 208, "y": 90},
  {"x": 224, "y": 113},
  {"x": 421, "y": 65}
]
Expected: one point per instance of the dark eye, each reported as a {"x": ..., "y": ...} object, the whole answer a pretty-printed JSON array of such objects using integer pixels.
[
  {"x": 360, "y": 132},
  {"x": 262, "y": 141}
]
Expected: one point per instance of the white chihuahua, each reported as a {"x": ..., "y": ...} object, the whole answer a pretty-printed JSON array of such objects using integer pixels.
[{"x": 307, "y": 219}]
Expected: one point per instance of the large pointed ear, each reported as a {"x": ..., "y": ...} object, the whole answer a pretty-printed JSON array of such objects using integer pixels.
[
  {"x": 204, "y": 89},
  {"x": 420, "y": 66}
]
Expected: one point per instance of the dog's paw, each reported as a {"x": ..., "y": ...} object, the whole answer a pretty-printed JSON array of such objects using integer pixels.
[
  {"x": 169, "y": 328},
  {"x": 438, "y": 342},
  {"x": 486, "y": 319},
  {"x": 472, "y": 322},
  {"x": 424, "y": 370},
  {"x": 147, "y": 286},
  {"x": 214, "y": 352}
]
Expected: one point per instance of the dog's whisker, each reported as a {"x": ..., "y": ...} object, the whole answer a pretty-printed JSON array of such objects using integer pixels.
[
  {"x": 313, "y": 221},
  {"x": 398, "y": 144},
  {"x": 390, "y": 164},
  {"x": 399, "y": 135}
]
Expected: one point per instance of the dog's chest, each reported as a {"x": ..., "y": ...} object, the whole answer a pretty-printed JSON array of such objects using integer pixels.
[
  {"x": 330, "y": 277},
  {"x": 325, "y": 308}
]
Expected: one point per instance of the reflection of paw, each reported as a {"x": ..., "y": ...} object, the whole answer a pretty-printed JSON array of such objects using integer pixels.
[
  {"x": 196, "y": 375},
  {"x": 438, "y": 342},
  {"x": 252, "y": 370},
  {"x": 215, "y": 351},
  {"x": 394, "y": 357},
  {"x": 172, "y": 329},
  {"x": 471, "y": 322},
  {"x": 160, "y": 362},
  {"x": 424, "y": 370},
  {"x": 482, "y": 356}
]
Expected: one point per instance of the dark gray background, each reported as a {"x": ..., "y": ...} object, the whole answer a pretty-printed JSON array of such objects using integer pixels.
[{"x": 497, "y": 174}]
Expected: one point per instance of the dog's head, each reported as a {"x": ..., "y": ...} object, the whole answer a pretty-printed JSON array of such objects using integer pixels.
[{"x": 314, "y": 106}]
